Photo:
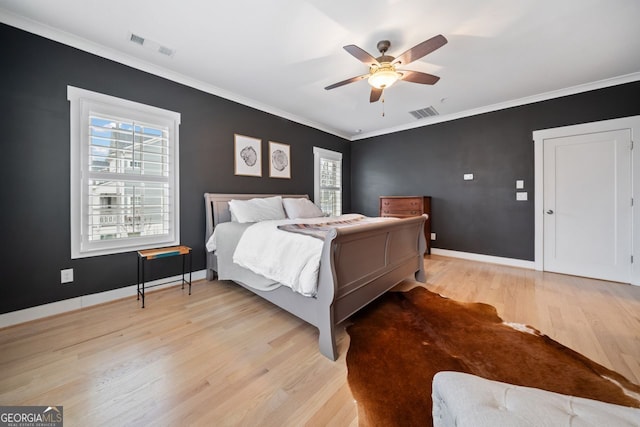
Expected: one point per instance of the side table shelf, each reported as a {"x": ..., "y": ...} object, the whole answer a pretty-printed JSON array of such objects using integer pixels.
[{"x": 149, "y": 254}]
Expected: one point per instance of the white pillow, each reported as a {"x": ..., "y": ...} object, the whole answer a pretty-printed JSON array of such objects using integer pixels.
[
  {"x": 255, "y": 210},
  {"x": 301, "y": 208}
]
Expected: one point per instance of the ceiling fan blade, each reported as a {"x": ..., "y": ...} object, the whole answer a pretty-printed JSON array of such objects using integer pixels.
[
  {"x": 420, "y": 50},
  {"x": 344, "y": 82},
  {"x": 418, "y": 77},
  {"x": 361, "y": 55},
  {"x": 375, "y": 94}
]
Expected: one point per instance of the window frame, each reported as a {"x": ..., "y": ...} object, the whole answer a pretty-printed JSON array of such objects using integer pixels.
[
  {"x": 323, "y": 153},
  {"x": 83, "y": 103}
]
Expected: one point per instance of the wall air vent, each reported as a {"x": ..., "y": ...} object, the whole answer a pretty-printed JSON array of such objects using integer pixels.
[{"x": 424, "y": 112}]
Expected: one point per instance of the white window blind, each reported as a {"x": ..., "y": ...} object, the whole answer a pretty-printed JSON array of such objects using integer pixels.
[
  {"x": 328, "y": 180},
  {"x": 124, "y": 168}
]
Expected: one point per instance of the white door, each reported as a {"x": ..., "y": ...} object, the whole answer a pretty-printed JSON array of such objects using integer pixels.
[{"x": 587, "y": 205}]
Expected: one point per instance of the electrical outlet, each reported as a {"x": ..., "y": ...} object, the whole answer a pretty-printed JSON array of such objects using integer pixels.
[
  {"x": 468, "y": 177},
  {"x": 66, "y": 276},
  {"x": 433, "y": 236}
]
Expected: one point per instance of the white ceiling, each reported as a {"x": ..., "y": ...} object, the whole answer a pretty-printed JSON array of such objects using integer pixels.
[{"x": 278, "y": 55}]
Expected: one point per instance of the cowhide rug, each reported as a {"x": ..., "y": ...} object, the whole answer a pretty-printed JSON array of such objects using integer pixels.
[{"x": 399, "y": 342}]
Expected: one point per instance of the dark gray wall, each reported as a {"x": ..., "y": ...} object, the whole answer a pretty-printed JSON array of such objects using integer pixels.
[
  {"x": 34, "y": 218},
  {"x": 479, "y": 216}
]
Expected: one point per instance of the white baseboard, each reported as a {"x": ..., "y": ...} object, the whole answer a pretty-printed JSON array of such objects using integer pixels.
[
  {"x": 58, "y": 307},
  {"x": 485, "y": 258}
]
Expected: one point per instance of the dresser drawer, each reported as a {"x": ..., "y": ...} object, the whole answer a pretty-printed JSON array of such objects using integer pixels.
[
  {"x": 408, "y": 206},
  {"x": 399, "y": 213},
  {"x": 401, "y": 205},
  {"x": 403, "y": 214}
]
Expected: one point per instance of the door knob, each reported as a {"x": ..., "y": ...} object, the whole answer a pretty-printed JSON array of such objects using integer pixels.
[{"x": 550, "y": 212}]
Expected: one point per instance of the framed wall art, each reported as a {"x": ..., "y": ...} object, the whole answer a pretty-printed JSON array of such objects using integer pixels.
[
  {"x": 279, "y": 160},
  {"x": 248, "y": 156}
]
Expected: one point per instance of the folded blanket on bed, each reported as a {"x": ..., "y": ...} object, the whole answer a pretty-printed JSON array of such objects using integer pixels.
[
  {"x": 292, "y": 259},
  {"x": 320, "y": 230}
]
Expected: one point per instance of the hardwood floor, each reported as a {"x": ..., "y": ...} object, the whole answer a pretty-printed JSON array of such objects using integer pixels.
[{"x": 223, "y": 356}]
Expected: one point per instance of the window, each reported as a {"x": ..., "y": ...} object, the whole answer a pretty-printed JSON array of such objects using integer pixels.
[
  {"x": 124, "y": 175},
  {"x": 328, "y": 180}
]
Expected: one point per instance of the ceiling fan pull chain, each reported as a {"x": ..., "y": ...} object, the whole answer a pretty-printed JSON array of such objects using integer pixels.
[{"x": 382, "y": 107}]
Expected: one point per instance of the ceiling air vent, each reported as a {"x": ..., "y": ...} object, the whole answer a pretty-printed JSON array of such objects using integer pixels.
[
  {"x": 424, "y": 112},
  {"x": 165, "y": 50},
  {"x": 137, "y": 39},
  {"x": 151, "y": 45}
]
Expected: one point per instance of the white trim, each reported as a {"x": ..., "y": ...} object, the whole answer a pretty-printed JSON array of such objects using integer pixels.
[
  {"x": 114, "y": 55},
  {"x": 327, "y": 154},
  {"x": 538, "y": 202},
  {"x": 600, "y": 84},
  {"x": 632, "y": 123},
  {"x": 59, "y": 307},
  {"x": 511, "y": 262},
  {"x": 322, "y": 153},
  {"x": 81, "y": 103}
]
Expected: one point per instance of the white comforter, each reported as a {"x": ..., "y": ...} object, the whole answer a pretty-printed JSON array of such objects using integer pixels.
[{"x": 289, "y": 258}]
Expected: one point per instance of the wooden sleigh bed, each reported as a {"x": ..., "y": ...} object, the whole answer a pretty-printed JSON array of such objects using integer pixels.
[{"x": 358, "y": 264}]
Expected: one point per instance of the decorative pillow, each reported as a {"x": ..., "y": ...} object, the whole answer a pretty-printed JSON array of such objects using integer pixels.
[
  {"x": 301, "y": 208},
  {"x": 258, "y": 209}
]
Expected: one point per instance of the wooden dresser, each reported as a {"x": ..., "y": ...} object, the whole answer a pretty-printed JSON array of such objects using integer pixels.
[{"x": 407, "y": 206}]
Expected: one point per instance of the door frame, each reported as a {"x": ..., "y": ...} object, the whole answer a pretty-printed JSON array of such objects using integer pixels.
[{"x": 632, "y": 123}]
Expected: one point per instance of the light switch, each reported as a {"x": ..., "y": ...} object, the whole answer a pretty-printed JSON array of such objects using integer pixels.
[
  {"x": 468, "y": 176},
  {"x": 520, "y": 184},
  {"x": 522, "y": 196}
]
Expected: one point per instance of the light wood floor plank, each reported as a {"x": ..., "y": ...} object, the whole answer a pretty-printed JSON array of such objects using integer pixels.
[{"x": 223, "y": 356}]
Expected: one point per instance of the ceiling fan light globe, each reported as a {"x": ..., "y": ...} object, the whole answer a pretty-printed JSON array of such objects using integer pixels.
[{"x": 382, "y": 79}]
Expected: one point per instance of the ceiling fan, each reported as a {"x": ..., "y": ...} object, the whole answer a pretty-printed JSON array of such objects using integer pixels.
[{"x": 383, "y": 71}]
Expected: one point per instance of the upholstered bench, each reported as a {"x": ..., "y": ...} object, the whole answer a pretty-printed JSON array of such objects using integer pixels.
[{"x": 467, "y": 400}]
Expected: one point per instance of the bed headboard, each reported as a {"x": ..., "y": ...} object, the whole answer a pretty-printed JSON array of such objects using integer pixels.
[{"x": 216, "y": 206}]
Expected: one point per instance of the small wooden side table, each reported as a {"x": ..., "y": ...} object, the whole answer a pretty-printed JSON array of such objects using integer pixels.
[{"x": 150, "y": 254}]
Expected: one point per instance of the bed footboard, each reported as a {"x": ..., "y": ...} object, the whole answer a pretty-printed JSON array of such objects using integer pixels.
[{"x": 361, "y": 263}]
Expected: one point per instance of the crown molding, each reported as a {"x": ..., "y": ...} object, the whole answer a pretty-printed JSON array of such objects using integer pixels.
[
  {"x": 85, "y": 45},
  {"x": 69, "y": 39},
  {"x": 614, "y": 81}
]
